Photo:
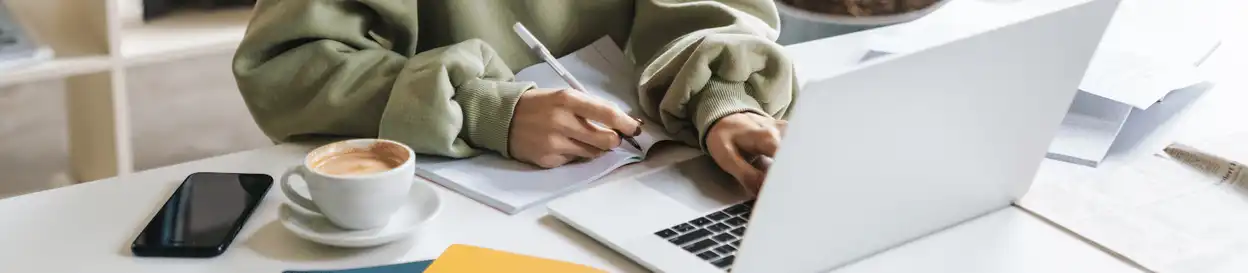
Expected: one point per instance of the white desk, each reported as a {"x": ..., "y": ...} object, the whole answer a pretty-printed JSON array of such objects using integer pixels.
[{"x": 88, "y": 227}]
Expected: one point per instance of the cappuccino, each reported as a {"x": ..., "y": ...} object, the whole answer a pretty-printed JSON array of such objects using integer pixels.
[
  {"x": 376, "y": 158},
  {"x": 357, "y": 184}
]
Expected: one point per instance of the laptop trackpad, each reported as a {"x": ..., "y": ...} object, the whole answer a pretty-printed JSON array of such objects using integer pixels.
[{"x": 697, "y": 183}]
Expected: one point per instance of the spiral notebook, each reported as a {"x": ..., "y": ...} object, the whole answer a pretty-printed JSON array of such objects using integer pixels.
[{"x": 512, "y": 186}]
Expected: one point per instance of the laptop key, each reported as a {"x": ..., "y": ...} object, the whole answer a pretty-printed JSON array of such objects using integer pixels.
[
  {"x": 683, "y": 227},
  {"x": 735, "y": 221},
  {"x": 701, "y": 222},
  {"x": 718, "y": 216},
  {"x": 725, "y": 249},
  {"x": 690, "y": 237},
  {"x": 718, "y": 227},
  {"x": 724, "y": 237},
  {"x": 736, "y": 243},
  {"x": 666, "y": 233},
  {"x": 750, "y": 203},
  {"x": 708, "y": 255},
  {"x": 700, "y": 245},
  {"x": 737, "y": 209},
  {"x": 723, "y": 263},
  {"x": 746, "y": 215},
  {"x": 738, "y": 231}
]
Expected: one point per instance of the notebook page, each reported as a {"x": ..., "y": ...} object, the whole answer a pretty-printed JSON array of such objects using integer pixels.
[
  {"x": 602, "y": 68},
  {"x": 512, "y": 186}
]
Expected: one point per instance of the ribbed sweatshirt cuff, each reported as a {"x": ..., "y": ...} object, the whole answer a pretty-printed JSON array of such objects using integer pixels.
[
  {"x": 720, "y": 98},
  {"x": 487, "y": 106}
]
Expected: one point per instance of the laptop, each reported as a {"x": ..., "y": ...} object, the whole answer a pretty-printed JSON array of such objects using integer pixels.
[{"x": 905, "y": 146}]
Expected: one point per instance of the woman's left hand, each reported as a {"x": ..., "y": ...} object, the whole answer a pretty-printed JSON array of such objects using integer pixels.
[{"x": 736, "y": 141}]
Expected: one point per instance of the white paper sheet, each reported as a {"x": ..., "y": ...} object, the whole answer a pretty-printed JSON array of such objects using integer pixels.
[
  {"x": 1136, "y": 80},
  {"x": 603, "y": 69},
  {"x": 1084, "y": 139},
  {"x": 512, "y": 186},
  {"x": 1154, "y": 211},
  {"x": 1171, "y": 31},
  {"x": 1152, "y": 47}
]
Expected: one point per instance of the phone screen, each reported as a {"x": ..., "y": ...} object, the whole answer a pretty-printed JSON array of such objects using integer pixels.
[{"x": 203, "y": 215}]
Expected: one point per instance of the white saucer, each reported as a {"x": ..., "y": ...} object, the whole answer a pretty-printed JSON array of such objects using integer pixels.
[{"x": 422, "y": 206}]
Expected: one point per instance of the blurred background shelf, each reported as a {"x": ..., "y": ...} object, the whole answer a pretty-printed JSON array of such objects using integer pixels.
[
  {"x": 183, "y": 35},
  {"x": 95, "y": 42},
  {"x": 56, "y": 68}
]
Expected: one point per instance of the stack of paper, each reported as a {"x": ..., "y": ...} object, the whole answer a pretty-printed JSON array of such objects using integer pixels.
[
  {"x": 1163, "y": 215},
  {"x": 1152, "y": 47},
  {"x": 512, "y": 186}
]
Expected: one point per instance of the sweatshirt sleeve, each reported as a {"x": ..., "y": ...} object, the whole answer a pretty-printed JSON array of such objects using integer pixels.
[
  {"x": 312, "y": 68},
  {"x": 703, "y": 60}
]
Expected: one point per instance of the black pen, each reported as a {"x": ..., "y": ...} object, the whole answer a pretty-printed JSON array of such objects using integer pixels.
[{"x": 544, "y": 53}]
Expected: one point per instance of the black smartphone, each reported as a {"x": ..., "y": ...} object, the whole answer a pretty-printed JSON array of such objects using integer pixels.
[{"x": 203, "y": 216}]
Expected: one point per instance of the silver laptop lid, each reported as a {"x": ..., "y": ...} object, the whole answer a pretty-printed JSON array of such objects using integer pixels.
[{"x": 915, "y": 143}]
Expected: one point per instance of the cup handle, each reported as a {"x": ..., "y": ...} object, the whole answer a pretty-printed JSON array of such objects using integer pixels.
[{"x": 293, "y": 195}]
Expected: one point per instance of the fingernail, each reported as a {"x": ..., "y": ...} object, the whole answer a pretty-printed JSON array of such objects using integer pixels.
[{"x": 640, "y": 122}]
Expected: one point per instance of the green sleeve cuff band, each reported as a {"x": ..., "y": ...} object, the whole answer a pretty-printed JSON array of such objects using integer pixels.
[
  {"x": 718, "y": 99},
  {"x": 487, "y": 106}
]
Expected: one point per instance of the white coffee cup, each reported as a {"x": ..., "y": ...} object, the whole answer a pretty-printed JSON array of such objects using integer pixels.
[{"x": 354, "y": 196}]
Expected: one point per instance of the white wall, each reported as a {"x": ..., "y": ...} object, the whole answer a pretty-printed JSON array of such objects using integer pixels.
[{"x": 131, "y": 12}]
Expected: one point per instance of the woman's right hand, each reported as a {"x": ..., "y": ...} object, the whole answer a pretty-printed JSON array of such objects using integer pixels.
[{"x": 551, "y": 127}]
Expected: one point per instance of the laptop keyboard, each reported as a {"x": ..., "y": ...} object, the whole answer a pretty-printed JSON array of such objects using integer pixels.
[{"x": 714, "y": 237}]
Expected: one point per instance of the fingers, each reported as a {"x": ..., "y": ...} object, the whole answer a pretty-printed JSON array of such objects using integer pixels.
[
  {"x": 743, "y": 146},
  {"x": 547, "y": 131},
  {"x": 782, "y": 126},
  {"x": 577, "y": 149},
  {"x": 761, "y": 162},
  {"x": 729, "y": 158},
  {"x": 601, "y": 112},
  {"x": 552, "y": 160},
  {"x": 581, "y": 130},
  {"x": 563, "y": 151},
  {"x": 764, "y": 142},
  {"x": 559, "y": 151}
]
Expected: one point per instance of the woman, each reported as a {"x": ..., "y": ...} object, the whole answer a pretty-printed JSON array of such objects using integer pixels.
[{"x": 437, "y": 75}]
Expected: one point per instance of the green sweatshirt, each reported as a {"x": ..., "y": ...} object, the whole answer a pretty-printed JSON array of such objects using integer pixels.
[{"x": 438, "y": 75}]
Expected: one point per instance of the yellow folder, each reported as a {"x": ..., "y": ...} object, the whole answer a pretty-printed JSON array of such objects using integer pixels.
[{"x": 471, "y": 259}]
